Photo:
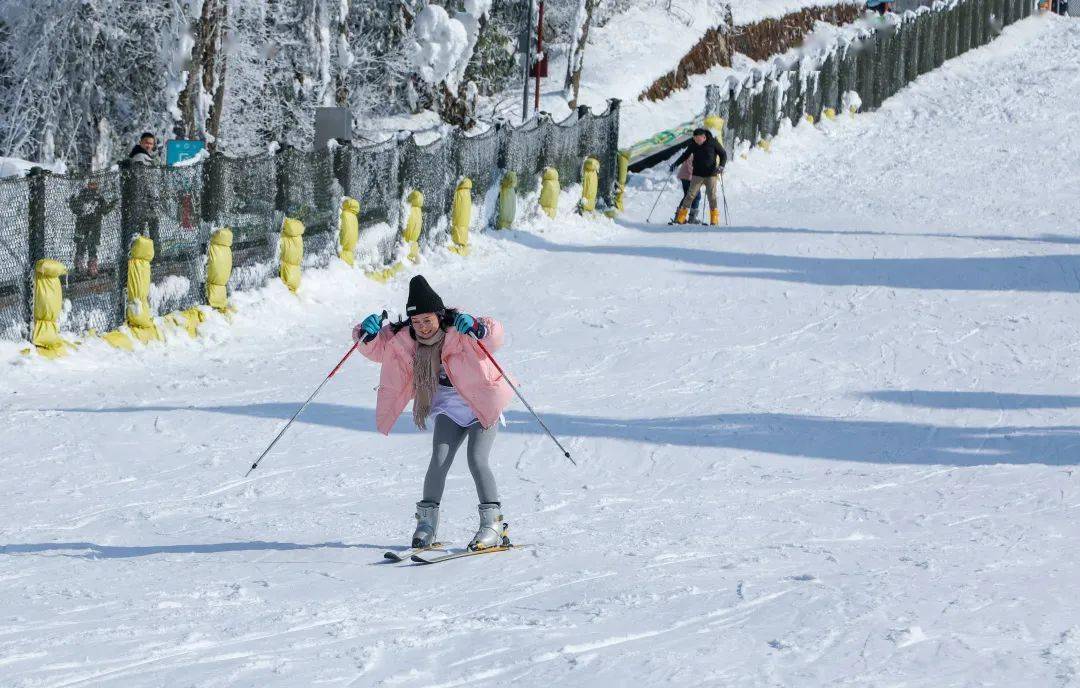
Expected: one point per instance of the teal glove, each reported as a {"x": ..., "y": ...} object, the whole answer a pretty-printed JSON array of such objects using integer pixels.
[
  {"x": 465, "y": 323},
  {"x": 368, "y": 330}
]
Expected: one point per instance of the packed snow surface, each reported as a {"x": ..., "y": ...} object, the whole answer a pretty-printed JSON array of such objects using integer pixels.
[{"x": 833, "y": 444}]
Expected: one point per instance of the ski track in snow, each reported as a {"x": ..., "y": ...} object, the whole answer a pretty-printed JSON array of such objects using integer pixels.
[{"x": 831, "y": 445}]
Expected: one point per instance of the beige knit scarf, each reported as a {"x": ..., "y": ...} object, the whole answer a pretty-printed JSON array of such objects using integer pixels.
[{"x": 426, "y": 366}]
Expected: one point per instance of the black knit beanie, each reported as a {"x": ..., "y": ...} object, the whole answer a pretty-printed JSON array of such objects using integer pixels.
[{"x": 422, "y": 298}]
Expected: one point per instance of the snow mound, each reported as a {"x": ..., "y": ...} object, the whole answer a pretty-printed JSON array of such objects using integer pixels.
[{"x": 15, "y": 167}]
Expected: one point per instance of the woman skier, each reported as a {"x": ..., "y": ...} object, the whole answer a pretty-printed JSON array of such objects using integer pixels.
[{"x": 434, "y": 359}]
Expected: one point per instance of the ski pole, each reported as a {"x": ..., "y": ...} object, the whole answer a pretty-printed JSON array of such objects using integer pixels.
[
  {"x": 666, "y": 184},
  {"x": 310, "y": 399},
  {"x": 513, "y": 387},
  {"x": 724, "y": 192}
]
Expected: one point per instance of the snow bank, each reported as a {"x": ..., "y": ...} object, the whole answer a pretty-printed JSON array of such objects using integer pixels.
[
  {"x": 750, "y": 11},
  {"x": 14, "y": 167}
]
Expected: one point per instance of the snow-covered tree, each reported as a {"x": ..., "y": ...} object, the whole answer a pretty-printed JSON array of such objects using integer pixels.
[
  {"x": 200, "y": 103},
  {"x": 442, "y": 47},
  {"x": 80, "y": 79},
  {"x": 379, "y": 67},
  {"x": 79, "y": 70},
  {"x": 578, "y": 40},
  {"x": 494, "y": 64}
]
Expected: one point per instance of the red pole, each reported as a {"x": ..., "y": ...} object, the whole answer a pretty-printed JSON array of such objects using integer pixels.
[
  {"x": 539, "y": 50},
  {"x": 314, "y": 394},
  {"x": 299, "y": 410}
]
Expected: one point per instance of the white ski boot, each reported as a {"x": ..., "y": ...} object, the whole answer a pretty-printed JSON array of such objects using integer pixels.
[
  {"x": 492, "y": 531},
  {"x": 427, "y": 524}
]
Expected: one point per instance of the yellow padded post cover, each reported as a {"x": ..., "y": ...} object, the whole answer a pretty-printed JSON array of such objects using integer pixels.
[
  {"x": 624, "y": 173},
  {"x": 549, "y": 191},
  {"x": 292, "y": 252},
  {"x": 507, "y": 201},
  {"x": 139, "y": 317},
  {"x": 461, "y": 217},
  {"x": 590, "y": 183},
  {"x": 349, "y": 230},
  {"x": 48, "y": 305},
  {"x": 219, "y": 269},
  {"x": 715, "y": 124},
  {"x": 414, "y": 224}
]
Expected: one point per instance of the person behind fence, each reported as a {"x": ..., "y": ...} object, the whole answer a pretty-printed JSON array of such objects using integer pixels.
[
  {"x": 879, "y": 6},
  {"x": 148, "y": 203},
  {"x": 686, "y": 172},
  {"x": 90, "y": 209},
  {"x": 144, "y": 150},
  {"x": 708, "y": 157},
  {"x": 435, "y": 359}
]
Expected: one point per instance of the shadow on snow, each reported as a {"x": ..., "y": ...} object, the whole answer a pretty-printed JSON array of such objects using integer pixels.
[
  {"x": 95, "y": 551},
  {"x": 1036, "y": 273},
  {"x": 993, "y": 401},
  {"x": 773, "y": 433},
  {"x": 1061, "y": 239}
]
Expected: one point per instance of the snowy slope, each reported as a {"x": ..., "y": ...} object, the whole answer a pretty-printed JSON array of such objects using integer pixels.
[
  {"x": 634, "y": 49},
  {"x": 831, "y": 445},
  {"x": 750, "y": 11},
  {"x": 626, "y": 56}
]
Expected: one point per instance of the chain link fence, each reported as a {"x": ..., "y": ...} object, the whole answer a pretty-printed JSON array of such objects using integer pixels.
[
  {"x": 15, "y": 261},
  {"x": 87, "y": 222},
  {"x": 873, "y": 64}
]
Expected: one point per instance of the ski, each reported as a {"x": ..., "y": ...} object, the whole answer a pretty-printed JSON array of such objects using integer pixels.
[
  {"x": 412, "y": 551},
  {"x": 464, "y": 553}
]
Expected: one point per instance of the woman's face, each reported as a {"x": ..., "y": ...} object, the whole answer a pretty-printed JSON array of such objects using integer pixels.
[{"x": 425, "y": 324}]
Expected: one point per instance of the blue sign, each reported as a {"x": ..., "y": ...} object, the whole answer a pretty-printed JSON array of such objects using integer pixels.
[{"x": 179, "y": 150}]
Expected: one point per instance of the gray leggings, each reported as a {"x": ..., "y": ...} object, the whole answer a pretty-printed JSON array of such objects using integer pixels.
[{"x": 448, "y": 437}]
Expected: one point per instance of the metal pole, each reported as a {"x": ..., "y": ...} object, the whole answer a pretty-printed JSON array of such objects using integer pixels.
[
  {"x": 526, "y": 48},
  {"x": 539, "y": 50},
  {"x": 301, "y": 409},
  {"x": 727, "y": 222},
  {"x": 513, "y": 387},
  {"x": 312, "y": 397},
  {"x": 658, "y": 197}
]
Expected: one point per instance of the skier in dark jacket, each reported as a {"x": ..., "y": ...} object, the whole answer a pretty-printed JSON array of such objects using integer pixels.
[
  {"x": 89, "y": 208},
  {"x": 708, "y": 157}
]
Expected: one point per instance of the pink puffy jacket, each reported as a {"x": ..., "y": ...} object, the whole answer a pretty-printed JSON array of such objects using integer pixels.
[{"x": 475, "y": 378}]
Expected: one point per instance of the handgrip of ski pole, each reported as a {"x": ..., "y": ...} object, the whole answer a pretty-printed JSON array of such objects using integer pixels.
[{"x": 369, "y": 338}]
